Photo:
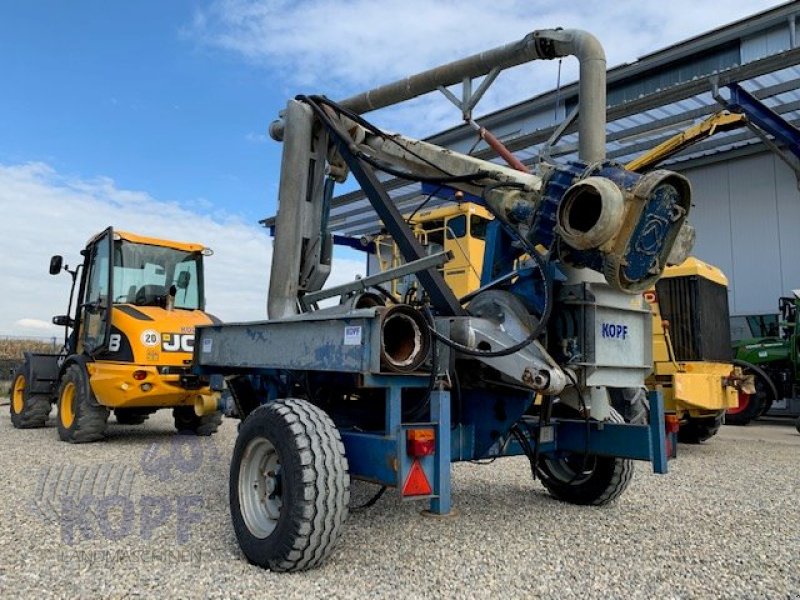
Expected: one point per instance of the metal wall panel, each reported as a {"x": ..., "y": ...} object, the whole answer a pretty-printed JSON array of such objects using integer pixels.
[
  {"x": 788, "y": 197},
  {"x": 765, "y": 43},
  {"x": 747, "y": 215},
  {"x": 711, "y": 216},
  {"x": 754, "y": 224}
]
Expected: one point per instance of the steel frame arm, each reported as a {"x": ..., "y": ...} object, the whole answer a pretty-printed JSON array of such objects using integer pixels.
[{"x": 442, "y": 297}]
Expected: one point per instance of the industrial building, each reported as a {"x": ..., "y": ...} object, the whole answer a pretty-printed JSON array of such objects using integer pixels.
[{"x": 746, "y": 199}]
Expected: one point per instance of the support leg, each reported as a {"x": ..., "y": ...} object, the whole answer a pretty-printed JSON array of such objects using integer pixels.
[
  {"x": 440, "y": 414},
  {"x": 658, "y": 434}
]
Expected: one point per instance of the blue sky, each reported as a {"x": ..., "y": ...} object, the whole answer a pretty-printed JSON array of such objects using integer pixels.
[
  {"x": 119, "y": 89},
  {"x": 151, "y": 115}
]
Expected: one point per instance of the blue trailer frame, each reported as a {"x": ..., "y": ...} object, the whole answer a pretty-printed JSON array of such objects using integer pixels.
[{"x": 380, "y": 455}]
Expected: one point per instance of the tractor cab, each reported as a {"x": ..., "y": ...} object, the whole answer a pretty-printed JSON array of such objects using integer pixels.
[{"x": 787, "y": 308}]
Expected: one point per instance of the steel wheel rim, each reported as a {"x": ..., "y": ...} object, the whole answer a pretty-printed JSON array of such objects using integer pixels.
[
  {"x": 260, "y": 488},
  {"x": 18, "y": 395},
  {"x": 562, "y": 470},
  {"x": 66, "y": 408}
]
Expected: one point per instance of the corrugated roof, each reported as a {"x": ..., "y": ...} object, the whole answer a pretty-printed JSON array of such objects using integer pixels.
[{"x": 634, "y": 127}]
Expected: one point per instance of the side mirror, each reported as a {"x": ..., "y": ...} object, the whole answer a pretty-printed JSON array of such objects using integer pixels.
[
  {"x": 184, "y": 277},
  {"x": 55, "y": 264},
  {"x": 63, "y": 321}
]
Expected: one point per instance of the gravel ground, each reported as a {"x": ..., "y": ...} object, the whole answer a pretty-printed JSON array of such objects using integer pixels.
[{"x": 724, "y": 523}]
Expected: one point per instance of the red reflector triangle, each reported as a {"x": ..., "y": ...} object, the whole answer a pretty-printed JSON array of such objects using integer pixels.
[{"x": 416, "y": 483}]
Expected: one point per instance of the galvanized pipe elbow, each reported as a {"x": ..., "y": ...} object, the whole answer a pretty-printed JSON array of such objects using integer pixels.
[
  {"x": 540, "y": 44},
  {"x": 591, "y": 85}
]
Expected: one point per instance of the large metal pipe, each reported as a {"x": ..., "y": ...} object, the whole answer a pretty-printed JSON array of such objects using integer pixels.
[
  {"x": 284, "y": 282},
  {"x": 405, "y": 339},
  {"x": 541, "y": 44}
]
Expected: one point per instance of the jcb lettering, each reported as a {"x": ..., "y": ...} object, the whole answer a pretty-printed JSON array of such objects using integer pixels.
[
  {"x": 177, "y": 342},
  {"x": 114, "y": 342}
]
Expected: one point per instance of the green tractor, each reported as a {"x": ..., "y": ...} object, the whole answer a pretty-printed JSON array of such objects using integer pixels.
[{"x": 774, "y": 362}]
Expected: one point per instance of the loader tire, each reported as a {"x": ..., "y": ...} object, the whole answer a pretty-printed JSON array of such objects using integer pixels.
[
  {"x": 596, "y": 481},
  {"x": 187, "y": 421},
  {"x": 699, "y": 429},
  {"x": 289, "y": 486},
  {"x": 80, "y": 418},
  {"x": 130, "y": 416},
  {"x": 27, "y": 410}
]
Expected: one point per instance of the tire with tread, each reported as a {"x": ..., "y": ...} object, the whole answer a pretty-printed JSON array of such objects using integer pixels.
[
  {"x": 314, "y": 484},
  {"x": 757, "y": 403},
  {"x": 90, "y": 419},
  {"x": 631, "y": 403},
  {"x": 28, "y": 410},
  {"x": 603, "y": 481},
  {"x": 187, "y": 421},
  {"x": 699, "y": 429}
]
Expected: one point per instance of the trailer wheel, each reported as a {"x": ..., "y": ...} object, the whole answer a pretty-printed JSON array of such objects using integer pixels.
[
  {"x": 797, "y": 424},
  {"x": 699, "y": 429},
  {"x": 289, "y": 486},
  {"x": 597, "y": 480},
  {"x": 27, "y": 410},
  {"x": 80, "y": 418},
  {"x": 187, "y": 421}
]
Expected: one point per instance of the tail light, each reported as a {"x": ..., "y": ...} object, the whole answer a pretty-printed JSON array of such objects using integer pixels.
[
  {"x": 420, "y": 442},
  {"x": 672, "y": 423}
]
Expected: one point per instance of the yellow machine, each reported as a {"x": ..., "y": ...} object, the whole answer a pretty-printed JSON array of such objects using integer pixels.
[
  {"x": 720, "y": 121},
  {"x": 128, "y": 342},
  {"x": 457, "y": 228},
  {"x": 691, "y": 347}
]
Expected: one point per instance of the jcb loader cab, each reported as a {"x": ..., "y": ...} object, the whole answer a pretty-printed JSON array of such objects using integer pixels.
[{"x": 129, "y": 336}]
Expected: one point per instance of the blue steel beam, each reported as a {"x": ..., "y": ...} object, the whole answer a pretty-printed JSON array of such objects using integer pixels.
[{"x": 765, "y": 118}]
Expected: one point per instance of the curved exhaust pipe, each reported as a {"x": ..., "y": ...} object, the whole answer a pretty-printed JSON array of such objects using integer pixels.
[
  {"x": 540, "y": 44},
  {"x": 405, "y": 339},
  {"x": 296, "y": 127}
]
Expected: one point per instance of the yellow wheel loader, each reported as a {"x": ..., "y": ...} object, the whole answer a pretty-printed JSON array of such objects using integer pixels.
[{"x": 129, "y": 337}]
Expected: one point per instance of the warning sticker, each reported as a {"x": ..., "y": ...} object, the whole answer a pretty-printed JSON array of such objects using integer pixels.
[
  {"x": 207, "y": 344},
  {"x": 352, "y": 335}
]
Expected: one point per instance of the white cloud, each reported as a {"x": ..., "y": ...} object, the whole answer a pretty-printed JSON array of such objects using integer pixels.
[
  {"x": 43, "y": 212},
  {"x": 35, "y": 325},
  {"x": 340, "y": 47}
]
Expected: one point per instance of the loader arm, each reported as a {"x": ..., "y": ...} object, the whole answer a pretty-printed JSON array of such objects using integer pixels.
[{"x": 719, "y": 121}]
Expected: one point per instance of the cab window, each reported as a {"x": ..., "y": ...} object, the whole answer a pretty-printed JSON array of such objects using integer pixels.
[
  {"x": 477, "y": 227},
  {"x": 457, "y": 227}
]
